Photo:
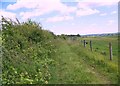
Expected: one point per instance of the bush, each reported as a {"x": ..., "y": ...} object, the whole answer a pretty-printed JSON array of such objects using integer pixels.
[{"x": 27, "y": 53}]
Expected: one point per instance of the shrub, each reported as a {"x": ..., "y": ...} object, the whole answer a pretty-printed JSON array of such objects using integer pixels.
[{"x": 27, "y": 53}]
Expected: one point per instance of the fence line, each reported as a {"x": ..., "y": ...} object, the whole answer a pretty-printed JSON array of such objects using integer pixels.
[
  {"x": 90, "y": 45},
  {"x": 84, "y": 43},
  {"x": 91, "y": 48},
  {"x": 110, "y": 50}
]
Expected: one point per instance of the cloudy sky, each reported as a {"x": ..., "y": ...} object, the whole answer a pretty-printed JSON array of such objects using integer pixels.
[{"x": 66, "y": 16}]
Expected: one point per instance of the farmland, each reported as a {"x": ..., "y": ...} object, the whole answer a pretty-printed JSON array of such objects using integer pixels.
[
  {"x": 32, "y": 55},
  {"x": 78, "y": 64}
]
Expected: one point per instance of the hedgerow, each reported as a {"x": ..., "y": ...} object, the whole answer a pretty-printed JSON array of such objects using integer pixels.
[{"x": 27, "y": 52}]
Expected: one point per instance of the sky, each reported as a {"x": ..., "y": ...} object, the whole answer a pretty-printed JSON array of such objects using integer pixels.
[{"x": 66, "y": 16}]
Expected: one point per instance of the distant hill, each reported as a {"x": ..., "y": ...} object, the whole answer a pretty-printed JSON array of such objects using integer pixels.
[{"x": 104, "y": 34}]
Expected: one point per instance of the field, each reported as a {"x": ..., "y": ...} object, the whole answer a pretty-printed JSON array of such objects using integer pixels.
[
  {"x": 101, "y": 44},
  {"x": 77, "y": 64},
  {"x": 35, "y": 56}
]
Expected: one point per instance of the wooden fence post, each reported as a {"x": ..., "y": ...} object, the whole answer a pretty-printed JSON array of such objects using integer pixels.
[
  {"x": 110, "y": 50},
  {"x": 84, "y": 43},
  {"x": 90, "y": 45},
  {"x": 80, "y": 41}
]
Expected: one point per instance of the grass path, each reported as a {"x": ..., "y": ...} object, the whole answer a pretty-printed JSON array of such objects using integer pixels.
[{"x": 71, "y": 68}]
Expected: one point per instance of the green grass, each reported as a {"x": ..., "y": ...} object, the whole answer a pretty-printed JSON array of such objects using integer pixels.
[
  {"x": 76, "y": 64},
  {"x": 97, "y": 61},
  {"x": 35, "y": 56},
  {"x": 70, "y": 69},
  {"x": 0, "y": 41},
  {"x": 101, "y": 44}
]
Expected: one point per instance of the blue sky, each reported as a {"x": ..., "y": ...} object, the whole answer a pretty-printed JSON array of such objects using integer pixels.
[{"x": 66, "y": 16}]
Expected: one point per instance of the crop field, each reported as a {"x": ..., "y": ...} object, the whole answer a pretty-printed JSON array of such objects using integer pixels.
[{"x": 31, "y": 55}]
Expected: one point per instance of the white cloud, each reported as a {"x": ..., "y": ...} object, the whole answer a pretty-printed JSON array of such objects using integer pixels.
[
  {"x": 86, "y": 11},
  {"x": 110, "y": 22},
  {"x": 73, "y": 24},
  {"x": 23, "y": 4},
  {"x": 97, "y": 0},
  {"x": 94, "y": 24},
  {"x": 8, "y": 14},
  {"x": 97, "y": 3},
  {"x": 59, "y": 18},
  {"x": 113, "y": 12},
  {"x": 103, "y": 14},
  {"x": 26, "y": 15},
  {"x": 40, "y": 7}
]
